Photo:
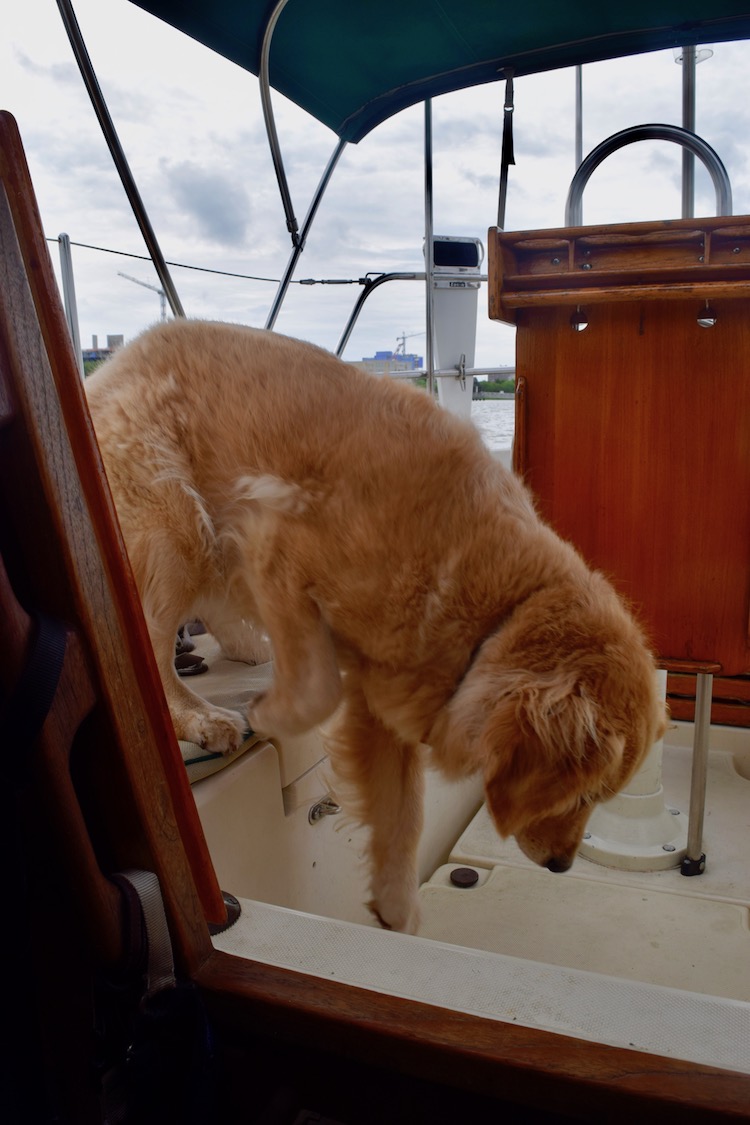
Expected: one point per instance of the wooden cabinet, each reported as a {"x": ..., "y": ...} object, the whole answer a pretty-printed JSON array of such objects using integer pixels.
[{"x": 634, "y": 433}]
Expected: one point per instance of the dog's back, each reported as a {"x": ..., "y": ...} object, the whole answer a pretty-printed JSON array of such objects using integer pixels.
[{"x": 398, "y": 508}]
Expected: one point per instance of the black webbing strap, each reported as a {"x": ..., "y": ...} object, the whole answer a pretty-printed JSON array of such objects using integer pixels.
[
  {"x": 508, "y": 156},
  {"x": 23, "y": 713},
  {"x": 164, "y": 1068}
]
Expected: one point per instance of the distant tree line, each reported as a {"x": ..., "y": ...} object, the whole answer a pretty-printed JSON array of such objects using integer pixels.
[{"x": 506, "y": 385}]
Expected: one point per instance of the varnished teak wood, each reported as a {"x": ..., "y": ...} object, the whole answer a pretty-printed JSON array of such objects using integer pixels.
[
  {"x": 634, "y": 434},
  {"x": 65, "y": 545}
]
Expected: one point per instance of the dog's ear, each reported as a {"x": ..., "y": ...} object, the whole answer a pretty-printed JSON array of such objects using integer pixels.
[{"x": 544, "y": 748}]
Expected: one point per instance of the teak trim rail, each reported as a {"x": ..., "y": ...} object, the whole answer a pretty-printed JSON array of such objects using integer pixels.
[{"x": 664, "y": 260}]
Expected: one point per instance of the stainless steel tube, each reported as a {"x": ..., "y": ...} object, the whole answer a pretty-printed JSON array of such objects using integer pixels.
[
  {"x": 118, "y": 155},
  {"x": 704, "y": 152}
]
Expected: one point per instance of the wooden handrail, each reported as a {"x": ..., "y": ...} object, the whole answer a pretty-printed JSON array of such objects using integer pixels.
[{"x": 502, "y": 1060}]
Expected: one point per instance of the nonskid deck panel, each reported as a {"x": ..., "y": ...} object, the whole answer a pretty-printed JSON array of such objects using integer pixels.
[{"x": 658, "y": 927}]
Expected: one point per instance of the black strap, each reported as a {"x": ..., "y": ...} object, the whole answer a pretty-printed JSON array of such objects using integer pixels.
[
  {"x": 508, "y": 156},
  {"x": 22, "y": 715},
  {"x": 156, "y": 1040}
]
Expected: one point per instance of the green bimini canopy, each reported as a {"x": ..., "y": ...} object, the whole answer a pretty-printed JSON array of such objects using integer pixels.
[{"x": 354, "y": 63}]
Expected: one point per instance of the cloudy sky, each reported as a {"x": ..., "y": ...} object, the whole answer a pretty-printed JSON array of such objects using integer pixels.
[{"x": 192, "y": 130}]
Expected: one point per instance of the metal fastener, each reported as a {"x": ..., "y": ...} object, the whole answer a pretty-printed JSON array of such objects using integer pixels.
[{"x": 326, "y": 807}]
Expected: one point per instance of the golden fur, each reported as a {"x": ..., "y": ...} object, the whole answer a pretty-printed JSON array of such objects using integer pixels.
[{"x": 273, "y": 491}]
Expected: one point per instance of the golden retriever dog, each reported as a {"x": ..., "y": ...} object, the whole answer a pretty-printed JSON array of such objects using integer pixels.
[{"x": 401, "y": 574}]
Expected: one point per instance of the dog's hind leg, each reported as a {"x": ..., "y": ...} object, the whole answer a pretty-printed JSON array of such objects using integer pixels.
[{"x": 385, "y": 777}]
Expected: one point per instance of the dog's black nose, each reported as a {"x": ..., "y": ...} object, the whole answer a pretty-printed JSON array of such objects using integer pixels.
[{"x": 557, "y": 864}]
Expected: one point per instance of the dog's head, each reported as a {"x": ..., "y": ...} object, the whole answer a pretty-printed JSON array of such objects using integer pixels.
[{"x": 560, "y": 707}]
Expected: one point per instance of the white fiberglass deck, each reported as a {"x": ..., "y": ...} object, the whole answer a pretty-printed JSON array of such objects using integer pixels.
[
  {"x": 649, "y": 961},
  {"x": 660, "y": 927},
  {"x": 590, "y": 1006}
]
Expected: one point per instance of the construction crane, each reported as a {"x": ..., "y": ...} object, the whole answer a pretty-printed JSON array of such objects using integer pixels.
[
  {"x": 401, "y": 342},
  {"x": 154, "y": 288}
]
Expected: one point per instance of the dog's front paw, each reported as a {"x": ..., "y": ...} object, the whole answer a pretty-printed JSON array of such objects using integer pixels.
[{"x": 214, "y": 729}]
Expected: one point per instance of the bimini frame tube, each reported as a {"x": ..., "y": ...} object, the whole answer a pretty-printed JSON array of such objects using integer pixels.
[
  {"x": 298, "y": 237},
  {"x": 273, "y": 137},
  {"x": 118, "y": 155},
  {"x": 299, "y": 243}
]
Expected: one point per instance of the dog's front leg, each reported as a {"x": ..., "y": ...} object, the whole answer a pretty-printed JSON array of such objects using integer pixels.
[
  {"x": 386, "y": 778},
  {"x": 194, "y": 720},
  {"x": 307, "y": 683}
]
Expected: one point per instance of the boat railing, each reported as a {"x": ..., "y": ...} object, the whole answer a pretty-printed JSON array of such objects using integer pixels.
[
  {"x": 653, "y": 132},
  {"x": 373, "y": 281}
]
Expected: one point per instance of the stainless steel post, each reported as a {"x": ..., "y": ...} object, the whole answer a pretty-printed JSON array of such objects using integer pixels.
[
  {"x": 299, "y": 244},
  {"x": 694, "y": 862},
  {"x": 688, "y": 122},
  {"x": 429, "y": 250},
  {"x": 69, "y": 297},
  {"x": 579, "y": 116}
]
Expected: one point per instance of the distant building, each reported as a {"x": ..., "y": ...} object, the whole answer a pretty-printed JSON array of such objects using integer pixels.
[
  {"x": 385, "y": 363},
  {"x": 95, "y": 354}
]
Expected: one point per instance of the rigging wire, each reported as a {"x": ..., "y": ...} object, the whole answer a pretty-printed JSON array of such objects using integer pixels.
[{"x": 221, "y": 273}]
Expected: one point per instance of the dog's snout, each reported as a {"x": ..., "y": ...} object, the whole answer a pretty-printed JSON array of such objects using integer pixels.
[{"x": 558, "y": 864}]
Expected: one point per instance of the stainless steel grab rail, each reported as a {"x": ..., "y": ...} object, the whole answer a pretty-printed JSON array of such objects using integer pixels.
[{"x": 688, "y": 140}]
